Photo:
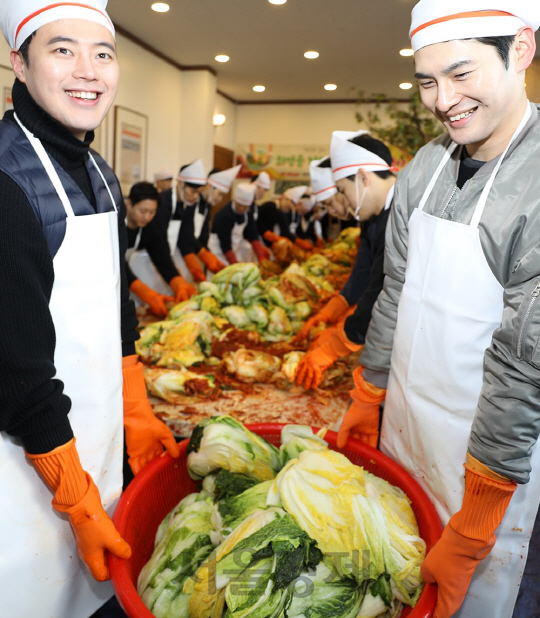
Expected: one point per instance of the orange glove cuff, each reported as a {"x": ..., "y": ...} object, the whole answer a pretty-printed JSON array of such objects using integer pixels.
[
  {"x": 271, "y": 236},
  {"x": 194, "y": 267},
  {"x": 129, "y": 361},
  {"x": 303, "y": 244},
  {"x": 484, "y": 505},
  {"x": 333, "y": 309},
  {"x": 476, "y": 466},
  {"x": 344, "y": 346},
  {"x": 134, "y": 385},
  {"x": 141, "y": 289},
  {"x": 365, "y": 391},
  {"x": 62, "y": 472}
]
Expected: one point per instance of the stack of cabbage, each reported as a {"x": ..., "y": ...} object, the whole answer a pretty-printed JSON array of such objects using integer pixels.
[{"x": 298, "y": 531}]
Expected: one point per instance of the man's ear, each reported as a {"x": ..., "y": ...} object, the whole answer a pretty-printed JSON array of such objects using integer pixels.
[
  {"x": 18, "y": 64},
  {"x": 364, "y": 177},
  {"x": 524, "y": 48}
]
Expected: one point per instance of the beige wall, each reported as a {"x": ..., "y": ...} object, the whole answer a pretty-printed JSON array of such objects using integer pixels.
[{"x": 533, "y": 81}]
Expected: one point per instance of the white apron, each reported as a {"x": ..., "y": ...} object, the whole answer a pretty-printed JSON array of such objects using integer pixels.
[
  {"x": 40, "y": 572},
  {"x": 198, "y": 220},
  {"x": 449, "y": 307},
  {"x": 241, "y": 247},
  {"x": 141, "y": 265},
  {"x": 173, "y": 231}
]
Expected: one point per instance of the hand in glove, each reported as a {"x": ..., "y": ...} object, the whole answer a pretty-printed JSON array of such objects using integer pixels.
[
  {"x": 469, "y": 536},
  {"x": 231, "y": 257},
  {"x": 362, "y": 418},
  {"x": 194, "y": 267},
  {"x": 303, "y": 244},
  {"x": 146, "y": 436},
  {"x": 76, "y": 494},
  {"x": 210, "y": 261},
  {"x": 261, "y": 251},
  {"x": 182, "y": 289},
  {"x": 329, "y": 314},
  {"x": 333, "y": 344},
  {"x": 155, "y": 301},
  {"x": 271, "y": 237}
]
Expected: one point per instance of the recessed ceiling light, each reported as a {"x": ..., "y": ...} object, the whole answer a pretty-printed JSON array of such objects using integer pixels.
[
  {"x": 259, "y": 88},
  {"x": 311, "y": 54},
  {"x": 405, "y": 86},
  {"x": 160, "y": 7},
  {"x": 406, "y": 52},
  {"x": 330, "y": 87},
  {"x": 222, "y": 58},
  {"x": 277, "y": 1}
]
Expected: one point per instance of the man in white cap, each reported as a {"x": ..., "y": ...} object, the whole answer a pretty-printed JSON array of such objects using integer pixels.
[
  {"x": 457, "y": 324},
  {"x": 195, "y": 230},
  {"x": 274, "y": 217},
  {"x": 234, "y": 235},
  {"x": 356, "y": 157},
  {"x": 163, "y": 180},
  {"x": 173, "y": 211},
  {"x": 263, "y": 183},
  {"x": 65, "y": 316}
]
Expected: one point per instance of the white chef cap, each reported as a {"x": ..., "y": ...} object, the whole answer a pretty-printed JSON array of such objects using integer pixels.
[
  {"x": 244, "y": 193},
  {"x": 193, "y": 173},
  {"x": 263, "y": 180},
  {"x": 163, "y": 175},
  {"x": 347, "y": 158},
  {"x": 20, "y": 18},
  {"x": 322, "y": 180},
  {"x": 223, "y": 180},
  {"x": 295, "y": 193},
  {"x": 437, "y": 21}
]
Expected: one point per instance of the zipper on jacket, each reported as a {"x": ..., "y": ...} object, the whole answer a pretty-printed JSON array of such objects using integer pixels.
[
  {"x": 449, "y": 200},
  {"x": 534, "y": 299}
]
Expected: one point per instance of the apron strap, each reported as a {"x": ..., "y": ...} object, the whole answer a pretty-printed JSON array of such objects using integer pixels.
[
  {"x": 446, "y": 157},
  {"x": 104, "y": 181},
  {"x": 483, "y": 198}
]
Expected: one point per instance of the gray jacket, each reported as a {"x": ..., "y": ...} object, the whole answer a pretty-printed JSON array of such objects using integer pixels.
[{"x": 507, "y": 421}]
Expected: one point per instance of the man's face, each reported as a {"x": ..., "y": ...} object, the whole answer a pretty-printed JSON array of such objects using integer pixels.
[
  {"x": 467, "y": 87},
  {"x": 240, "y": 208},
  {"x": 260, "y": 192},
  {"x": 337, "y": 206},
  {"x": 303, "y": 206},
  {"x": 214, "y": 196},
  {"x": 163, "y": 185},
  {"x": 141, "y": 213},
  {"x": 72, "y": 72},
  {"x": 187, "y": 193}
]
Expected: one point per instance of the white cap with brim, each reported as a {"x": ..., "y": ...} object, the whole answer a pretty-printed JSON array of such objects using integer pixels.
[
  {"x": 223, "y": 180},
  {"x": 244, "y": 193},
  {"x": 263, "y": 180},
  {"x": 193, "y": 173},
  {"x": 20, "y": 18},
  {"x": 347, "y": 158},
  {"x": 163, "y": 175},
  {"x": 438, "y": 21},
  {"x": 322, "y": 180},
  {"x": 295, "y": 193}
]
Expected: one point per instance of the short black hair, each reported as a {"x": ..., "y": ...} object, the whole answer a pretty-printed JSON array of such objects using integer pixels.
[
  {"x": 325, "y": 163},
  {"x": 501, "y": 43},
  {"x": 23, "y": 49},
  {"x": 376, "y": 147},
  {"x": 214, "y": 170},
  {"x": 143, "y": 191}
]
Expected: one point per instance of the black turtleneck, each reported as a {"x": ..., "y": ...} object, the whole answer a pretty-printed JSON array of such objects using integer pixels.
[{"x": 33, "y": 406}]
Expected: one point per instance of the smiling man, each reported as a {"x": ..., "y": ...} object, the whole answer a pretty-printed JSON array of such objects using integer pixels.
[
  {"x": 455, "y": 332},
  {"x": 67, "y": 325}
]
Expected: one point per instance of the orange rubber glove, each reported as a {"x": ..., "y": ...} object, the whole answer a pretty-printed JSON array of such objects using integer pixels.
[
  {"x": 76, "y": 494},
  {"x": 362, "y": 418},
  {"x": 146, "y": 435},
  {"x": 329, "y": 314},
  {"x": 231, "y": 257},
  {"x": 194, "y": 267},
  {"x": 153, "y": 299},
  {"x": 469, "y": 536},
  {"x": 320, "y": 243},
  {"x": 210, "y": 261},
  {"x": 306, "y": 245},
  {"x": 261, "y": 251},
  {"x": 271, "y": 237},
  {"x": 182, "y": 289},
  {"x": 330, "y": 346}
]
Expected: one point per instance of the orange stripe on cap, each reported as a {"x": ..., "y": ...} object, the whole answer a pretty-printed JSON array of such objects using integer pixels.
[
  {"x": 344, "y": 167},
  {"x": 465, "y": 15},
  {"x": 54, "y": 6},
  {"x": 327, "y": 188}
]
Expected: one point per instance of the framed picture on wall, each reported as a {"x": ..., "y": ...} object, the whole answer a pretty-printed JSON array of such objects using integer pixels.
[{"x": 130, "y": 146}]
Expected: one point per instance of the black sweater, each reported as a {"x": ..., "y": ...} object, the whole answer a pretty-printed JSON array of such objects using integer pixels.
[{"x": 33, "y": 406}]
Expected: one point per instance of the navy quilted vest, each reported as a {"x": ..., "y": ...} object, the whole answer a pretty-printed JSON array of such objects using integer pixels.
[{"x": 19, "y": 160}]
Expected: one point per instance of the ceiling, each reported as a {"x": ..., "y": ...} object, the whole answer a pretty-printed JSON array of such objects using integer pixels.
[{"x": 358, "y": 42}]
